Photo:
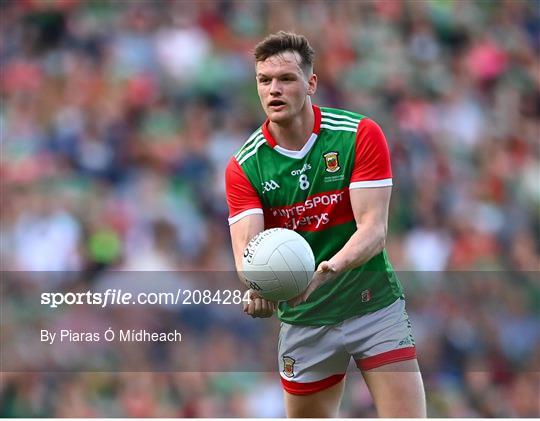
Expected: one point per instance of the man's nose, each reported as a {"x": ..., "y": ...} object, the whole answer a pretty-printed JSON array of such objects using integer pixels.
[{"x": 275, "y": 87}]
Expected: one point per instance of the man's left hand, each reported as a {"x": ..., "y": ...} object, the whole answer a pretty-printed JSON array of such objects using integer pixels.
[{"x": 325, "y": 272}]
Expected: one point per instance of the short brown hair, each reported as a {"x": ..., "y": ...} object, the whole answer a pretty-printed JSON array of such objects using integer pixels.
[{"x": 286, "y": 41}]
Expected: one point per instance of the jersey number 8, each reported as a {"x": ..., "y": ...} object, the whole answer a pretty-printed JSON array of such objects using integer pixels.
[{"x": 303, "y": 182}]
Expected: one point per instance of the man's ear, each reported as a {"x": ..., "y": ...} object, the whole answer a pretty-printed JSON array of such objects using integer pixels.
[{"x": 312, "y": 84}]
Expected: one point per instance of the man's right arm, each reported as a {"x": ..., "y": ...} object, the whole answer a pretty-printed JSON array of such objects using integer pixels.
[
  {"x": 241, "y": 232},
  {"x": 245, "y": 220}
]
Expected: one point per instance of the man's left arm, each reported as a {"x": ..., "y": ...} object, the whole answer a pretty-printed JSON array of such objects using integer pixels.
[
  {"x": 370, "y": 190},
  {"x": 370, "y": 208}
]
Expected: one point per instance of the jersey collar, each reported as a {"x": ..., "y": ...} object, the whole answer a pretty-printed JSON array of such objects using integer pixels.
[{"x": 316, "y": 128}]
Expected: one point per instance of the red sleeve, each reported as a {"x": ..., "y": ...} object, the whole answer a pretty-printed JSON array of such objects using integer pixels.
[
  {"x": 241, "y": 196},
  {"x": 372, "y": 159}
]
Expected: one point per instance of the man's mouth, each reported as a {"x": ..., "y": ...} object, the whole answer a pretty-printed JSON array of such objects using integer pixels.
[{"x": 276, "y": 103}]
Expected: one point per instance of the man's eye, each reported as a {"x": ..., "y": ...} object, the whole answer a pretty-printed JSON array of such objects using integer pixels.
[{"x": 264, "y": 80}]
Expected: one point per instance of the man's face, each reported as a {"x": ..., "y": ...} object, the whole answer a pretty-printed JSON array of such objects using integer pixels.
[{"x": 283, "y": 86}]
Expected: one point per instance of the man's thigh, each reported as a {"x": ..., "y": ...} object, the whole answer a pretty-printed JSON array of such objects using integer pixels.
[
  {"x": 312, "y": 364},
  {"x": 381, "y": 337},
  {"x": 397, "y": 390},
  {"x": 382, "y": 345}
]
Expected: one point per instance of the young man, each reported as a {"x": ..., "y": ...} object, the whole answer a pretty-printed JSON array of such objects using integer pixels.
[{"x": 326, "y": 174}]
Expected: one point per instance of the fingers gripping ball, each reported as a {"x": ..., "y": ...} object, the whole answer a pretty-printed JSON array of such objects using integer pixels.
[{"x": 278, "y": 264}]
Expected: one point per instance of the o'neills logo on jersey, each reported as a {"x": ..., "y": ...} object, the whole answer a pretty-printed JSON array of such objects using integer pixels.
[
  {"x": 331, "y": 161},
  {"x": 317, "y": 212},
  {"x": 301, "y": 170}
]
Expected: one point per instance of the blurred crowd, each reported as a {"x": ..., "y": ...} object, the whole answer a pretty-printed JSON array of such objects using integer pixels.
[{"x": 117, "y": 121}]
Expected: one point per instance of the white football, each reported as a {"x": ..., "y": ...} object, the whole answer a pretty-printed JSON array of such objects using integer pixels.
[{"x": 278, "y": 264}]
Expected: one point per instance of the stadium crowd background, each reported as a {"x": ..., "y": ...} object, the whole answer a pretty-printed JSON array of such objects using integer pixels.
[{"x": 117, "y": 121}]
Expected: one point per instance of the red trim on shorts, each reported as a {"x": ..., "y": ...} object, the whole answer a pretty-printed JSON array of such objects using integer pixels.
[
  {"x": 388, "y": 357},
  {"x": 296, "y": 388}
]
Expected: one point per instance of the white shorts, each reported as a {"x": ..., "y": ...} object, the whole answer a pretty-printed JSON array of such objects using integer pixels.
[{"x": 313, "y": 358}]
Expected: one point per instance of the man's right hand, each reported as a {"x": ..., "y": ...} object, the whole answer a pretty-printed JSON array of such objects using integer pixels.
[{"x": 258, "y": 306}]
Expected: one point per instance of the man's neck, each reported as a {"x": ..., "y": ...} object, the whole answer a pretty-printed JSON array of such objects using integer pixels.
[{"x": 294, "y": 134}]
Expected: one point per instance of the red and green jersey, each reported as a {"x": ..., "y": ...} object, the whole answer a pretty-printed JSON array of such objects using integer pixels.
[{"x": 308, "y": 191}]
